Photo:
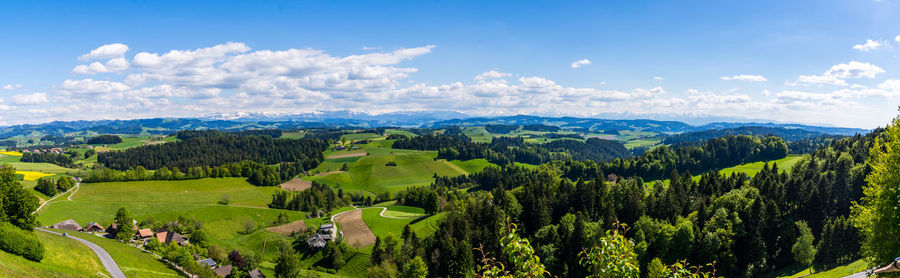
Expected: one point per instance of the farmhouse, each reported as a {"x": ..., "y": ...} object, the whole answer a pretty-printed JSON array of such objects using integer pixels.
[
  {"x": 223, "y": 271},
  {"x": 255, "y": 273},
  {"x": 208, "y": 262},
  {"x": 326, "y": 228},
  {"x": 94, "y": 228},
  {"x": 169, "y": 236},
  {"x": 317, "y": 241},
  {"x": 67, "y": 225},
  {"x": 339, "y": 148},
  {"x": 143, "y": 234}
]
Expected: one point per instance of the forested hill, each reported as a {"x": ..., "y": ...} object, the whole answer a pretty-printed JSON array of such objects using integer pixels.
[
  {"x": 746, "y": 226},
  {"x": 783, "y": 133},
  {"x": 203, "y": 151},
  {"x": 161, "y": 126}
]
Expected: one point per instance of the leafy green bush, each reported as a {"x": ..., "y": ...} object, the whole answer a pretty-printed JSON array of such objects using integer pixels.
[{"x": 20, "y": 242}]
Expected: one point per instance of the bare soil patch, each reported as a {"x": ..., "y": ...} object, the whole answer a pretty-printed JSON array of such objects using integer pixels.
[
  {"x": 346, "y": 155},
  {"x": 296, "y": 185},
  {"x": 328, "y": 173},
  {"x": 355, "y": 230},
  {"x": 296, "y": 226}
]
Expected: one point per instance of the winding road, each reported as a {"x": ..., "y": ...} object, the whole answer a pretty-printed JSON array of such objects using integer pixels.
[{"x": 105, "y": 258}]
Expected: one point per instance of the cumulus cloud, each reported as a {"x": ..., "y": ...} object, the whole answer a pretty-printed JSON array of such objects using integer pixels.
[
  {"x": 109, "y": 51},
  {"x": 10, "y": 87},
  {"x": 806, "y": 80},
  {"x": 836, "y": 74},
  {"x": 854, "y": 69},
  {"x": 30, "y": 99},
  {"x": 579, "y": 63},
  {"x": 745, "y": 77},
  {"x": 869, "y": 45},
  {"x": 113, "y": 65},
  {"x": 657, "y": 78},
  {"x": 491, "y": 75}
]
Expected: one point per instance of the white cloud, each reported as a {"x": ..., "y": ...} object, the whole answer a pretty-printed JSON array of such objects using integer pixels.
[
  {"x": 92, "y": 88},
  {"x": 745, "y": 77},
  {"x": 766, "y": 92},
  {"x": 579, "y": 63},
  {"x": 367, "y": 48},
  {"x": 854, "y": 69},
  {"x": 491, "y": 75},
  {"x": 657, "y": 78},
  {"x": 819, "y": 80},
  {"x": 869, "y": 45},
  {"x": 109, "y": 51},
  {"x": 113, "y": 65},
  {"x": 897, "y": 38},
  {"x": 30, "y": 99},
  {"x": 10, "y": 87}
]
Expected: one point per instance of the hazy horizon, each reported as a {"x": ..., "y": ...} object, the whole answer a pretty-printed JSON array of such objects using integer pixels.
[{"x": 827, "y": 64}]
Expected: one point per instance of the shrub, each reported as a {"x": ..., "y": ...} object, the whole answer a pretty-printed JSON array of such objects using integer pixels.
[
  {"x": 20, "y": 242},
  {"x": 391, "y": 163}
]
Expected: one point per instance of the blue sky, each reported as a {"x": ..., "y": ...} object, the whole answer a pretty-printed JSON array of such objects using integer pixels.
[{"x": 785, "y": 61}]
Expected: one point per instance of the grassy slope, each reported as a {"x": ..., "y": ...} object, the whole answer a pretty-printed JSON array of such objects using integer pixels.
[
  {"x": 751, "y": 169},
  {"x": 63, "y": 257},
  {"x": 369, "y": 173},
  {"x": 382, "y": 226},
  {"x": 132, "y": 261},
  {"x": 165, "y": 201},
  {"x": 202, "y": 191},
  {"x": 799, "y": 271}
]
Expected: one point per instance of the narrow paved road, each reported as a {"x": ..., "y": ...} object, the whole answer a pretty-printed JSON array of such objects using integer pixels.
[{"x": 105, "y": 258}]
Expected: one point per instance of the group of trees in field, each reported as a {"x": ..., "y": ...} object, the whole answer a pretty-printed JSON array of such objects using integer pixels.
[
  {"x": 104, "y": 140},
  {"x": 63, "y": 160},
  {"x": 747, "y": 225},
  {"x": 202, "y": 151},
  {"x": 50, "y": 188},
  {"x": 506, "y": 150},
  {"x": 189, "y": 134},
  {"x": 256, "y": 173},
  {"x": 17, "y": 220},
  {"x": 714, "y": 154},
  {"x": 318, "y": 197}
]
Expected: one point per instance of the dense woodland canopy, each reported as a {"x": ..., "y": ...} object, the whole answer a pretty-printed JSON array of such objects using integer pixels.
[
  {"x": 205, "y": 151},
  {"x": 506, "y": 150},
  {"x": 745, "y": 225},
  {"x": 104, "y": 140},
  {"x": 63, "y": 160}
]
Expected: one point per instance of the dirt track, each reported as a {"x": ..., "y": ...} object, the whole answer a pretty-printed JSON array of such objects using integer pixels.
[
  {"x": 296, "y": 185},
  {"x": 355, "y": 230},
  {"x": 296, "y": 226},
  {"x": 328, "y": 173},
  {"x": 346, "y": 155}
]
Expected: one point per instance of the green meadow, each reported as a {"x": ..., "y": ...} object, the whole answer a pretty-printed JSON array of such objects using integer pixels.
[
  {"x": 370, "y": 173},
  {"x": 63, "y": 257},
  {"x": 383, "y": 226},
  {"x": 132, "y": 261},
  {"x": 751, "y": 169},
  {"x": 192, "y": 199}
]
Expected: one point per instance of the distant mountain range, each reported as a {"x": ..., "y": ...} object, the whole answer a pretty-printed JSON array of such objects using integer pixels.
[{"x": 435, "y": 119}]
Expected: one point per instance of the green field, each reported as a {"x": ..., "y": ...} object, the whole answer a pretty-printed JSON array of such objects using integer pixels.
[
  {"x": 800, "y": 271},
  {"x": 751, "y": 169},
  {"x": 63, "y": 257},
  {"x": 193, "y": 199},
  {"x": 201, "y": 191},
  {"x": 369, "y": 173},
  {"x": 473, "y": 165},
  {"x": 404, "y": 211},
  {"x": 359, "y": 136},
  {"x": 132, "y": 261},
  {"x": 383, "y": 226}
]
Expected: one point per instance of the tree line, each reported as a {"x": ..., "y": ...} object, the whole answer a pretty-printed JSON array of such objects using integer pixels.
[
  {"x": 205, "y": 151},
  {"x": 747, "y": 225},
  {"x": 506, "y": 150}
]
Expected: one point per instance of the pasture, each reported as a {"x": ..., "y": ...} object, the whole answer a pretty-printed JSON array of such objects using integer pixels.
[
  {"x": 286, "y": 229},
  {"x": 225, "y": 225},
  {"x": 132, "y": 261},
  {"x": 751, "y": 169},
  {"x": 370, "y": 173},
  {"x": 63, "y": 257}
]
